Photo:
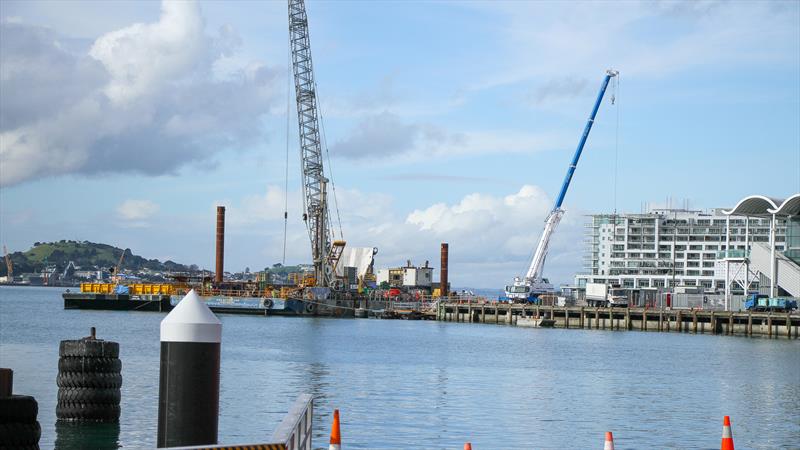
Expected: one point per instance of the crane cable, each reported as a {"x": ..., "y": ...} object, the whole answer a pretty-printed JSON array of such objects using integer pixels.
[
  {"x": 288, "y": 126},
  {"x": 614, "y": 95},
  {"x": 330, "y": 166}
]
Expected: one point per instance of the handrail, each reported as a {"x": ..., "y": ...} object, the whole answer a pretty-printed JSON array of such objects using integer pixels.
[
  {"x": 294, "y": 432},
  {"x": 295, "y": 429}
]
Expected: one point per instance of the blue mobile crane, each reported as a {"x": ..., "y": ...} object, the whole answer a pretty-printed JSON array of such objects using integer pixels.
[{"x": 533, "y": 284}]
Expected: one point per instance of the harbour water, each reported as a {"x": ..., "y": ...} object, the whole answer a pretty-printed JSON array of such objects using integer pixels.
[{"x": 433, "y": 385}]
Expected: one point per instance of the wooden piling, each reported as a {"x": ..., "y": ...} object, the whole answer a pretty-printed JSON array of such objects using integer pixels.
[
  {"x": 694, "y": 321},
  {"x": 749, "y": 323},
  {"x": 769, "y": 324}
]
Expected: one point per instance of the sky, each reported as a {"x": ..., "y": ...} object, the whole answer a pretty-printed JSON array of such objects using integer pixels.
[{"x": 127, "y": 123}]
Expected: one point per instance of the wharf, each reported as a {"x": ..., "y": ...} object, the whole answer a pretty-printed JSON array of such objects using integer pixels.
[{"x": 741, "y": 323}]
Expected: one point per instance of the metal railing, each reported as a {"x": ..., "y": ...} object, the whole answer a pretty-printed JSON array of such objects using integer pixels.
[{"x": 295, "y": 430}]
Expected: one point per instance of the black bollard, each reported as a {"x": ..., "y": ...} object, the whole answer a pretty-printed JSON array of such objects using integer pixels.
[{"x": 188, "y": 395}]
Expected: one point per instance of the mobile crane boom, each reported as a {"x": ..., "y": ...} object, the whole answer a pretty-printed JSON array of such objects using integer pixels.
[{"x": 533, "y": 283}]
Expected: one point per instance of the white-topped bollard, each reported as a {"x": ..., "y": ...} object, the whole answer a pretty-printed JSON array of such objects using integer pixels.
[{"x": 188, "y": 395}]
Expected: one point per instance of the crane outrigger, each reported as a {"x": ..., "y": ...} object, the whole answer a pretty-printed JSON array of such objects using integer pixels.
[{"x": 533, "y": 284}]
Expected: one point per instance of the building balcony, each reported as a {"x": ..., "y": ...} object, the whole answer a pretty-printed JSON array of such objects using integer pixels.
[{"x": 738, "y": 254}]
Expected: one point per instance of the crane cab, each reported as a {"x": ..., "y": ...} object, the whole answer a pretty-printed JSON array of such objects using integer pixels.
[{"x": 525, "y": 291}]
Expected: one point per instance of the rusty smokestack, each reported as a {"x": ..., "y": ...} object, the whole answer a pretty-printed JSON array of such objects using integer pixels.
[
  {"x": 443, "y": 275},
  {"x": 220, "y": 244}
]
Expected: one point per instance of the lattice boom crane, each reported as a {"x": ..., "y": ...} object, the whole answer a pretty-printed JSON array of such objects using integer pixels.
[{"x": 325, "y": 251}]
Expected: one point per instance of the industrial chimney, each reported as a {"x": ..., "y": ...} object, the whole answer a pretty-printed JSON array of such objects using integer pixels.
[
  {"x": 220, "y": 244},
  {"x": 443, "y": 275}
]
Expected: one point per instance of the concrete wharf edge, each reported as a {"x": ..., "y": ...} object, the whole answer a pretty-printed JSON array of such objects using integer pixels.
[{"x": 739, "y": 323}]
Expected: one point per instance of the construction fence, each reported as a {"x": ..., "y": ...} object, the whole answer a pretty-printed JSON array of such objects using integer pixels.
[{"x": 715, "y": 302}]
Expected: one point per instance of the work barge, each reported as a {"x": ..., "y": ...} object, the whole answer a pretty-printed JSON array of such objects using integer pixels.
[{"x": 738, "y": 323}]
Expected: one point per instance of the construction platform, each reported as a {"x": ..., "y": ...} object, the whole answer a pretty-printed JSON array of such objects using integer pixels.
[
  {"x": 740, "y": 323},
  {"x": 221, "y": 304}
]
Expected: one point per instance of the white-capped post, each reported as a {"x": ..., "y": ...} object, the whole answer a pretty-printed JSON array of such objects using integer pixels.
[{"x": 188, "y": 395}]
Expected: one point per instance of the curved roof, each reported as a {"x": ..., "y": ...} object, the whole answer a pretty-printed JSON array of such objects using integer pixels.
[
  {"x": 760, "y": 205},
  {"x": 789, "y": 207}
]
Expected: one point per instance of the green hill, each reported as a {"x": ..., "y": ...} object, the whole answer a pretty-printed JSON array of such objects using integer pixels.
[{"x": 86, "y": 255}]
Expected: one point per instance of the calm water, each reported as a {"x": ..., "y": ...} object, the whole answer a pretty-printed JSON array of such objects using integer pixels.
[{"x": 435, "y": 385}]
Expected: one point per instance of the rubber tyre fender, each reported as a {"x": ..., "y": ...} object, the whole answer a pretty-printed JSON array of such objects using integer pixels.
[
  {"x": 96, "y": 348},
  {"x": 88, "y": 380},
  {"x": 267, "y": 303},
  {"x": 83, "y": 364},
  {"x": 13, "y": 434},
  {"x": 89, "y": 395},
  {"x": 20, "y": 447},
  {"x": 310, "y": 308},
  {"x": 88, "y": 411},
  {"x": 18, "y": 408}
]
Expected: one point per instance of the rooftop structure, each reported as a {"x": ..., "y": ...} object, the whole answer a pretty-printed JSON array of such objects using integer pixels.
[
  {"x": 778, "y": 262},
  {"x": 407, "y": 276}
]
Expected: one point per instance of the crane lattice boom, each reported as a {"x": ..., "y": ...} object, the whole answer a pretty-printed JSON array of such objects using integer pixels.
[{"x": 314, "y": 181}]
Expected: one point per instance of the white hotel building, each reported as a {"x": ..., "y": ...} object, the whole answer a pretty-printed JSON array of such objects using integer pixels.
[{"x": 672, "y": 247}]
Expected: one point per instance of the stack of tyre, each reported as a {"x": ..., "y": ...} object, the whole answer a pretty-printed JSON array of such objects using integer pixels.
[
  {"x": 19, "y": 428},
  {"x": 89, "y": 381}
]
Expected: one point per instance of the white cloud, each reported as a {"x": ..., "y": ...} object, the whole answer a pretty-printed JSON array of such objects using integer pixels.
[
  {"x": 491, "y": 237},
  {"x": 387, "y": 138},
  {"x": 136, "y": 213},
  {"x": 141, "y": 99},
  {"x": 142, "y": 58}
]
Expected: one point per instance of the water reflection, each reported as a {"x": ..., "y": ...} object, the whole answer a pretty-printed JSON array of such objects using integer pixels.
[{"x": 86, "y": 435}]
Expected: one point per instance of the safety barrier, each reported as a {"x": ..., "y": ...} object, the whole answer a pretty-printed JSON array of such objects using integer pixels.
[
  {"x": 133, "y": 289},
  {"x": 294, "y": 432},
  {"x": 699, "y": 301}
]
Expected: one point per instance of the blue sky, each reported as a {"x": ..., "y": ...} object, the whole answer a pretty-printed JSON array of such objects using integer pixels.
[{"x": 128, "y": 122}]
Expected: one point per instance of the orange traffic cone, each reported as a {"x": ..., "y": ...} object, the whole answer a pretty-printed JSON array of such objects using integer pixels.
[
  {"x": 336, "y": 435},
  {"x": 609, "y": 445},
  {"x": 467, "y": 446},
  {"x": 727, "y": 436}
]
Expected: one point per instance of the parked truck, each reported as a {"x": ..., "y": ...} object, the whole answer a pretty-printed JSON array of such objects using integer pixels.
[
  {"x": 761, "y": 302},
  {"x": 599, "y": 294}
]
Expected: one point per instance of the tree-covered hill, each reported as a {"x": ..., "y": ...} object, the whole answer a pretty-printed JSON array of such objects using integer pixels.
[{"x": 86, "y": 255}]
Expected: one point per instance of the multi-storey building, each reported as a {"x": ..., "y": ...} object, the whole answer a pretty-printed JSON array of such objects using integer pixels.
[{"x": 669, "y": 247}]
